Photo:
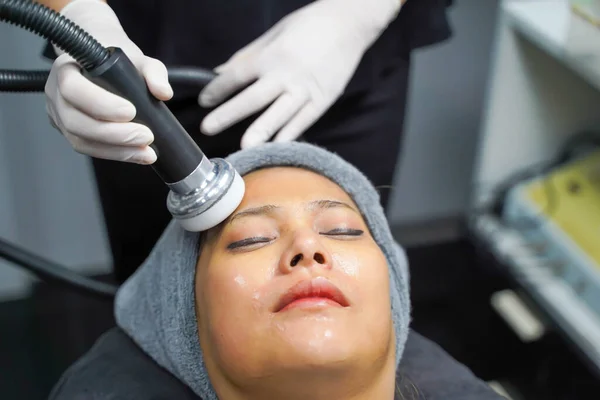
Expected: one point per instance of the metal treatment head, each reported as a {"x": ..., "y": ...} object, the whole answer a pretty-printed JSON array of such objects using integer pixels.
[{"x": 216, "y": 195}]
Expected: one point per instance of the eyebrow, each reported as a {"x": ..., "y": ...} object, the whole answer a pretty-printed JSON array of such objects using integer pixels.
[
  {"x": 269, "y": 209},
  {"x": 262, "y": 210},
  {"x": 324, "y": 204}
]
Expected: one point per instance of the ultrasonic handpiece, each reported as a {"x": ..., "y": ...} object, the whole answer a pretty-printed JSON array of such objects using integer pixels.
[{"x": 203, "y": 192}]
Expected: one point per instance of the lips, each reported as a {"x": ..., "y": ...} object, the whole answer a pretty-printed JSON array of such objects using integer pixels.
[{"x": 317, "y": 291}]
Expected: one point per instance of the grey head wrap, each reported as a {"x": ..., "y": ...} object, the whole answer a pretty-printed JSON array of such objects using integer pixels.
[{"x": 156, "y": 306}]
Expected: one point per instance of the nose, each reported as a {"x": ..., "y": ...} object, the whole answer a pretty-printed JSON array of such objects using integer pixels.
[{"x": 306, "y": 251}]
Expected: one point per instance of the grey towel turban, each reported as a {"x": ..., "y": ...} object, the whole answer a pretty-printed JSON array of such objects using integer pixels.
[{"x": 156, "y": 305}]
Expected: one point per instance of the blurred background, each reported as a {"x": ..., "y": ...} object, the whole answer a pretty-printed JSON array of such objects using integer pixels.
[{"x": 498, "y": 215}]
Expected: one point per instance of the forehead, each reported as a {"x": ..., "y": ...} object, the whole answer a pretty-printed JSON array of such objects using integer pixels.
[
  {"x": 287, "y": 185},
  {"x": 283, "y": 186}
]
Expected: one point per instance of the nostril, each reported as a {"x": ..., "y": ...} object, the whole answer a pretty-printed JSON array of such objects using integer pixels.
[
  {"x": 296, "y": 260},
  {"x": 319, "y": 258}
]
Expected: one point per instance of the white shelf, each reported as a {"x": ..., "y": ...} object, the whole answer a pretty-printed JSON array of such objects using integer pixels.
[
  {"x": 553, "y": 27},
  {"x": 544, "y": 86}
]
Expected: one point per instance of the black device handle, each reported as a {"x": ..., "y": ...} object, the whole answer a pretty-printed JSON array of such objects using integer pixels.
[{"x": 177, "y": 153}]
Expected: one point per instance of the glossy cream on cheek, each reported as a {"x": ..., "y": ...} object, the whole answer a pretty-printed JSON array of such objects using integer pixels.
[
  {"x": 241, "y": 284},
  {"x": 241, "y": 281},
  {"x": 347, "y": 263}
]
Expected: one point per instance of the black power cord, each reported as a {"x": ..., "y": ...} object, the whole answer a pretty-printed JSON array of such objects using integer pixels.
[
  {"x": 94, "y": 59},
  {"x": 49, "y": 24},
  {"x": 89, "y": 54},
  {"x": 69, "y": 37},
  {"x": 34, "y": 81},
  {"x": 54, "y": 273}
]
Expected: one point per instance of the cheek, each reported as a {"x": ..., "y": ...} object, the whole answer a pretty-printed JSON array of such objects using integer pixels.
[
  {"x": 232, "y": 290},
  {"x": 349, "y": 264},
  {"x": 379, "y": 279},
  {"x": 376, "y": 315},
  {"x": 364, "y": 271},
  {"x": 232, "y": 297},
  {"x": 367, "y": 269}
]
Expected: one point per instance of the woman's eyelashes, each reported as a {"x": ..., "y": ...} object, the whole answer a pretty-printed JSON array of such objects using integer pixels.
[
  {"x": 258, "y": 240},
  {"x": 251, "y": 241},
  {"x": 343, "y": 232}
]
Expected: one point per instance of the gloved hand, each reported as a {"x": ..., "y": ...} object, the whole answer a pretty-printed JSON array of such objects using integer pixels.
[
  {"x": 95, "y": 121},
  {"x": 299, "y": 67}
]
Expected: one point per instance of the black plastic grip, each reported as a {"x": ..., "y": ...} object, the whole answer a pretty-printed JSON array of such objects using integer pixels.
[{"x": 177, "y": 153}]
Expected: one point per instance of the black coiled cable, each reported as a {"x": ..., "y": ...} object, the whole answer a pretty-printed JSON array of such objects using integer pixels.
[
  {"x": 90, "y": 54},
  {"x": 69, "y": 37},
  {"x": 55, "y": 273},
  {"x": 22, "y": 81},
  {"x": 35, "y": 81},
  {"x": 49, "y": 24}
]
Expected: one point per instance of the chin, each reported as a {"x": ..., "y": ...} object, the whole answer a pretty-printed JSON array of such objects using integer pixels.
[
  {"x": 323, "y": 355},
  {"x": 320, "y": 342}
]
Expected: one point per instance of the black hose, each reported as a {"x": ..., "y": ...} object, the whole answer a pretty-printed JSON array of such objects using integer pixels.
[
  {"x": 73, "y": 40},
  {"x": 35, "y": 81},
  {"x": 190, "y": 76},
  {"x": 49, "y": 24},
  {"x": 90, "y": 54},
  {"x": 22, "y": 81},
  {"x": 55, "y": 273}
]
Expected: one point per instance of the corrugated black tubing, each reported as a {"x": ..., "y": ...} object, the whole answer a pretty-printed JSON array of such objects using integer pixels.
[
  {"x": 35, "y": 81},
  {"x": 73, "y": 40},
  {"x": 22, "y": 81},
  {"x": 49, "y": 24}
]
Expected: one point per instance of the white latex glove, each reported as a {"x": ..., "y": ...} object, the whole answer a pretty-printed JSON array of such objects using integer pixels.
[
  {"x": 299, "y": 67},
  {"x": 95, "y": 121}
]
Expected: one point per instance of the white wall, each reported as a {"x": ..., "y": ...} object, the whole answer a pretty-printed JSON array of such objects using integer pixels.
[
  {"x": 445, "y": 103},
  {"x": 47, "y": 199}
]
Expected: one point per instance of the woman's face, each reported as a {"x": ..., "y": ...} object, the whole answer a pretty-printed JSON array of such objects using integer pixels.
[{"x": 292, "y": 280}]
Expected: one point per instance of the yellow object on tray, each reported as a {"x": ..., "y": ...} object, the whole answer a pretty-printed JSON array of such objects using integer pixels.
[
  {"x": 576, "y": 189},
  {"x": 557, "y": 215},
  {"x": 588, "y": 9}
]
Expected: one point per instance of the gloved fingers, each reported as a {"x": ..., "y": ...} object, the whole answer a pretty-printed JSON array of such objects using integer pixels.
[
  {"x": 157, "y": 78},
  {"x": 248, "y": 102},
  {"x": 138, "y": 155},
  {"x": 73, "y": 121},
  {"x": 90, "y": 98},
  {"x": 303, "y": 120},
  {"x": 114, "y": 133},
  {"x": 227, "y": 83},
  {"x": 284, "y": 108}
]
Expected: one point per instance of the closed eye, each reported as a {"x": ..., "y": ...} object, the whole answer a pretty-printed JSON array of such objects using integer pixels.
[
  {"x": 248, "y": 242},
  {"x": 344, "y": 232},
  {"x": 262, "y": 239}
]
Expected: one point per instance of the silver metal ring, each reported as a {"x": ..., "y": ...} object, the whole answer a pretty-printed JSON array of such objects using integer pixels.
[{"x": 207, "y": 193}]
